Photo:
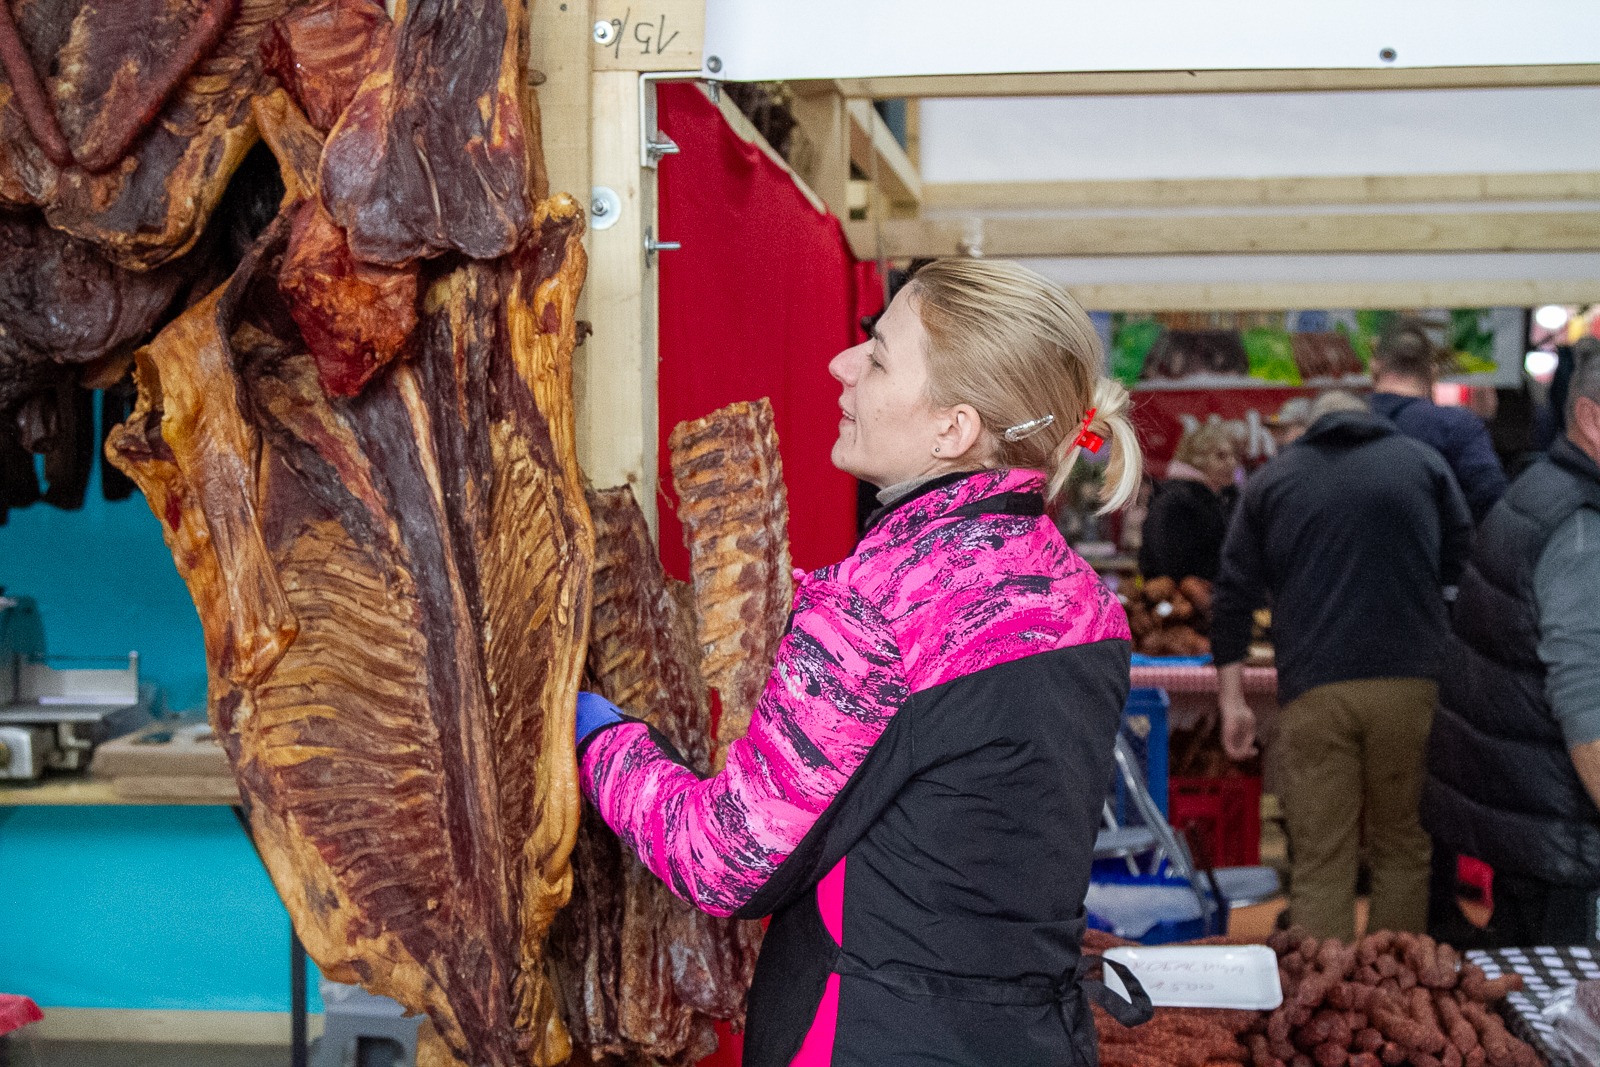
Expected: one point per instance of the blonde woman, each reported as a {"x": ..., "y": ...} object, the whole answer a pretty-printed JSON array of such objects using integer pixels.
[
  {"x": 916, "y": 802},
  {"x": 1190, "y": 509}
]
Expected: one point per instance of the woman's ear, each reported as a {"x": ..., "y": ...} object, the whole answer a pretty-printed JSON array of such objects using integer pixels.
[{"x": 961, "y": 435}]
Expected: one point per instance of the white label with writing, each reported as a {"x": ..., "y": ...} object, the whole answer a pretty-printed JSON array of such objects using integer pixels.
[{"x": 1202, "y": 976}]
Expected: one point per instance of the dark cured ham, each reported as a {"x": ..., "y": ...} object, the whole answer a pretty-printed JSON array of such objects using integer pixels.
[
  {"x": 735, "y": 514},
  {"x": 644, "y": 973},
  {"x": 152, "y": 204},
  {"x": 432, "y": 154},
  {"x": 395, "y": 593}
]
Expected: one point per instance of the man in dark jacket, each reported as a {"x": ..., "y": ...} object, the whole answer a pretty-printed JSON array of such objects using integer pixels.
[
  {"x": 1404, "y": 369},
  {"x": 1514, "y": 760},
  {"x": 1353, "y": 530}
]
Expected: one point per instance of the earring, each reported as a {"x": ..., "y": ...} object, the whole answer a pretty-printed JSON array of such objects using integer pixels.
[{"x": 936, "y": 450}]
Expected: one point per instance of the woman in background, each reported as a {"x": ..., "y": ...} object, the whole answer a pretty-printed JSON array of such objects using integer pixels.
[{"x": 1189, "y": 512}]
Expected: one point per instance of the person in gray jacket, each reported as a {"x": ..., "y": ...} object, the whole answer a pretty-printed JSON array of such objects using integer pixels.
[{"x": 1514, "y": 758}]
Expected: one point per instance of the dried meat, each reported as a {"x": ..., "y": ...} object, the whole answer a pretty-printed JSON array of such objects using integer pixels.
[
  {"x": 323, "y": 51},
  {"x": 735, "y": 514},
  {"x": 395, "y": 594},
  {"x": 153, "y": 202},
  {"x": 63, "y": 305},
  {"x": 644, "y": 973},
  {"x": 432, "y": 154}
]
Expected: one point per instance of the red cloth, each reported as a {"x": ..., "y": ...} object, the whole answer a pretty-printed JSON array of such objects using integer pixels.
[
  {"x": 763, "y": 293},
  {"x": 17, "y": 1012}
]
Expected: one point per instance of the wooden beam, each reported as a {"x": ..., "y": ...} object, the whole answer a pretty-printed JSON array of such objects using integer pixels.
[
  {"x": 1119, "y": 83},
  {"x": 615, "y": 369},
  {"x": 1110, "y": 235},
  {"x": 558, "y": 68},
  {"x": 877, "y": 154},
  {"x": 823, "y": 157},
  {"x": 168, "y": 1026},
  {"x": 1266, "y": 296},
  {"x": 1206, "y": 192},
  {"x": 648, "y": 34}
]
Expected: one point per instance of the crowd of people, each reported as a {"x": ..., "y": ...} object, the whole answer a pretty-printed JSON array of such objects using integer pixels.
[{"x": 1437, "y": 639}]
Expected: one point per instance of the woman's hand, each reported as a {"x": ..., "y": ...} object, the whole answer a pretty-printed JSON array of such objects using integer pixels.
[
  {"x": 594, "y": 711},
  {"x": 1238, "y": 721}
]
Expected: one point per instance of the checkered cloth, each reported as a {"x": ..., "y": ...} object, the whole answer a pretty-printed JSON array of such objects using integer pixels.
[
  {"x": 1204, "y": 679},
  {"x": 1545, "y": 972}
]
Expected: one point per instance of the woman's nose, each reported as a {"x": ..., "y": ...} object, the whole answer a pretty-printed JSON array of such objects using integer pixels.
[{"x": 846, "y": 366}]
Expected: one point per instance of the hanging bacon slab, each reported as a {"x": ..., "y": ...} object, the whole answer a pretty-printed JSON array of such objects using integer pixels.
[
  {"x": 735, "y": 514},
  {"x": 153, "y": 99},
  {"x": 395, "y": 597},
  {"x": 64, "y": 305},
  {"x": 431, "y": 155},
  {"x": 321, "y": 53},
  {"x": 644, "y": 973}
]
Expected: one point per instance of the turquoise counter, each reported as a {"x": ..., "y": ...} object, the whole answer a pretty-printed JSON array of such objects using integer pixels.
[{"x": 128, "y": 907}]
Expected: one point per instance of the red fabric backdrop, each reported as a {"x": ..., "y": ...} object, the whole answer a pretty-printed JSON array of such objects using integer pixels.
[{"x": 763, "y": 293}]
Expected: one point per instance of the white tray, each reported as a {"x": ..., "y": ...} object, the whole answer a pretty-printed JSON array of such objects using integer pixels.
[{"x": 1202, "y": 976}]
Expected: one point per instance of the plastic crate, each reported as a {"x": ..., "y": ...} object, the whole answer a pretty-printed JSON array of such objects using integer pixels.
[
  {"x": 1144, "y": 726},
  {"x": 1222, "y": 817}
]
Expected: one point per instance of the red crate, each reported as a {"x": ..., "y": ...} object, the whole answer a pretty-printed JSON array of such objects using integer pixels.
[{"x": 1222, "y": 817}]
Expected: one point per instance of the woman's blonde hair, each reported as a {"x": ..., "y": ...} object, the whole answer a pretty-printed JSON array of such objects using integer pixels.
[
  {"x": 1017, "y": 348},
  {"x": 1203, "y": 439}
]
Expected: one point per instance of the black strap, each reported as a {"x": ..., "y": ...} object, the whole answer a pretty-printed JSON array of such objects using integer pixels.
[
  {"x": 1013, "y": 503},
  {"x": 1133, "y": 1011},
  {"x": 1129, "y": 1012}
]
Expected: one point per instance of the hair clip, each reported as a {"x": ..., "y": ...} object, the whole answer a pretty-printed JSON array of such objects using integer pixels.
[
  {"x": 1027, "y": 429},
  {"x": 1087, "y": 438}
]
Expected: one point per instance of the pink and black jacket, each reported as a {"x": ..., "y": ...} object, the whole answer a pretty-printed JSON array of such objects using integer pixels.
[{"x": 916, "y": 801}]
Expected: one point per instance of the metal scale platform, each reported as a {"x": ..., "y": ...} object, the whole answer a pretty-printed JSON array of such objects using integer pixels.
[{"x": 52, "y": 717}]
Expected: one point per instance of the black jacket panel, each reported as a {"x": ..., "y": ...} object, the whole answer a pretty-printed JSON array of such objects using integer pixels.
[
  {"x": 1184, "y": 530},
  {"x": 1501, "y": 785}
]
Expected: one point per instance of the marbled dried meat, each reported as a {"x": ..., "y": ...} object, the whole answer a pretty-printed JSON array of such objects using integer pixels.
[
  {"x": 432, "y": 154},
  {"x": 153, "y": 203},
  {"x": 323, "y": 51},
  {"x": 421, "y": 558},
  {"x": 644, "y": 973},
  {"x": 735, "y": 514}
]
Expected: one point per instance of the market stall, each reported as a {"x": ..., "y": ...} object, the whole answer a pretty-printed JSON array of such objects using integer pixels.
[{"x": 376, "y": 398}]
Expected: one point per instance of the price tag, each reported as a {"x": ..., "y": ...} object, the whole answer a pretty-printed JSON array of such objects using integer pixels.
[{"x": 1203, "y": 976}]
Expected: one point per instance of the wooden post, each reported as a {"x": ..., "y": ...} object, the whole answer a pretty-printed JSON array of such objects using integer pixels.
[
  {"x": 561, "y": 39},
  {"x": 616, "y": 367}
]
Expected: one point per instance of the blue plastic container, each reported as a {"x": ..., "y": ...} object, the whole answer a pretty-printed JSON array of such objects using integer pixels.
[
  {"x": 1150, "y": 908},
  {"x": 1144, "y": 726}
]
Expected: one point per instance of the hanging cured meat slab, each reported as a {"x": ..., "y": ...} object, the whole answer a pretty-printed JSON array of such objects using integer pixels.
[
  {"x": 432, "y": 155},
  {"x": 735, "y": 513},
  {"x": 642, "y": 972},
  {"x": 395, "y": 597},
  {"x": 148, "y": 204}
]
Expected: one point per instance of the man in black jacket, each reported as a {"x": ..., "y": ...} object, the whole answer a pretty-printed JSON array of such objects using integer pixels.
[
  {"x": 1353, "y": 531},
  {"x": 1514, "y": 760},
  {"x": 1404, "y": 370}
]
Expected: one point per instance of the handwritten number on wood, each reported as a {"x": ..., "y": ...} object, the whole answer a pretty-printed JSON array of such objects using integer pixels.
[{"x": 650, "y": 36}]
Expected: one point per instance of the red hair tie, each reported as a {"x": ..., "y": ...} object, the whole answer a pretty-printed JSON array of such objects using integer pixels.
[{"x": 1087, "y": 438}]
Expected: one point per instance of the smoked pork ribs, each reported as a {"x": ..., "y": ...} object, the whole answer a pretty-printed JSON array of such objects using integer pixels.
[{"x": 735, "y": 514}]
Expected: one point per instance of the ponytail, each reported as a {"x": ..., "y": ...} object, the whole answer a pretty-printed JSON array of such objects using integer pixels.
[{"x": 1125, "y": 463}]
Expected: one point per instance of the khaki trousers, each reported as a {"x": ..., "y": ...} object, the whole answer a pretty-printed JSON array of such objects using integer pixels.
[{"x": 1348, "y": 747}]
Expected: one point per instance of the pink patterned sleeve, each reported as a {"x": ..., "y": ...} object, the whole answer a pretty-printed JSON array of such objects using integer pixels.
[{"x": 837, "y": 682}]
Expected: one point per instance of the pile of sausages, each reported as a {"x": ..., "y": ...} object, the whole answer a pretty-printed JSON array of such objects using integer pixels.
[{"x": 1389, "y": 999}]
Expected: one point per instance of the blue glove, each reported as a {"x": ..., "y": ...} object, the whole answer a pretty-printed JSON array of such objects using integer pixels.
[{"x": 595, "y": 711}]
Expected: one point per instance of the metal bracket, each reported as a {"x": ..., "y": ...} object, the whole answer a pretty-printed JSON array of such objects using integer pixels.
[
  {"x": 652, "y": 246},
  {"x": 653, "y": 144}
]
